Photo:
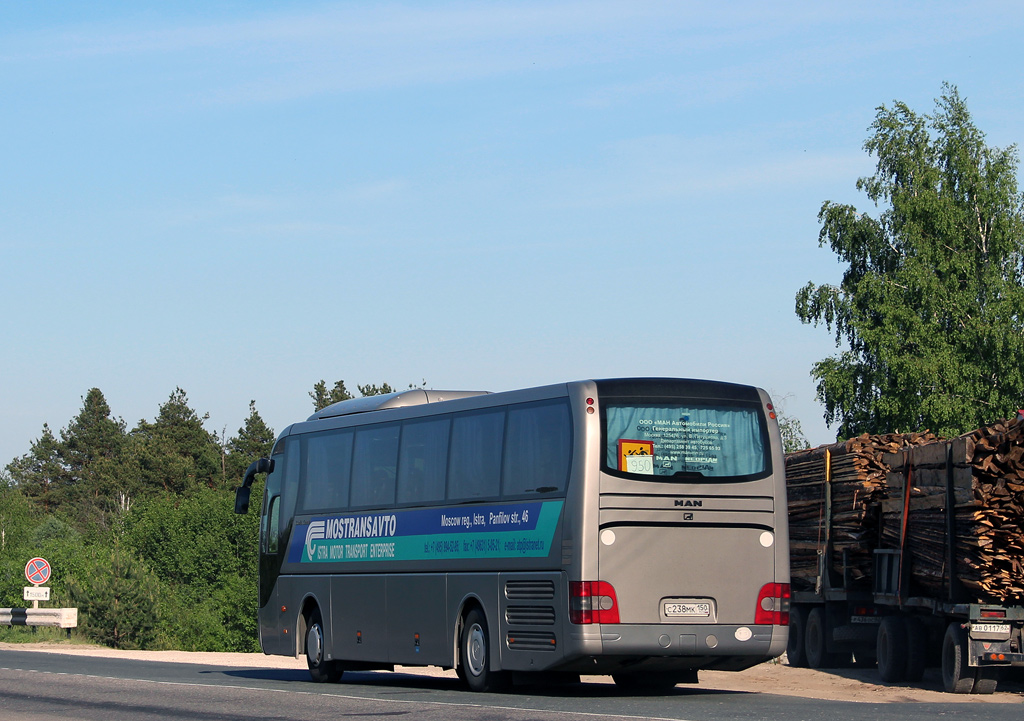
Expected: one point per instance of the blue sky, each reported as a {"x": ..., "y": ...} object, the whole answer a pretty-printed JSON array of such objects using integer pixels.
[{"x": 241, "y": 199}]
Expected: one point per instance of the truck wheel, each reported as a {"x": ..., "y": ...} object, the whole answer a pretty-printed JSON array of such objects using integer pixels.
[
  {"x": 957, "y": 675},
  {"x": 986, "y": 680},
  {"x": 917, "y": 648},
  {"x": 815, "y": 642},
  {"x": 892, "y": 649},
  {"x": 796, "y": 649}
]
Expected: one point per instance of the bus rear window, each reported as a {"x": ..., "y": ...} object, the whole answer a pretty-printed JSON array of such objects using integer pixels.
[{"x": 678, "y": 441}]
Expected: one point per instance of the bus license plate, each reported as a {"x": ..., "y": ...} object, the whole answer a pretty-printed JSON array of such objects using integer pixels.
[{"x": 675, "y": 608}]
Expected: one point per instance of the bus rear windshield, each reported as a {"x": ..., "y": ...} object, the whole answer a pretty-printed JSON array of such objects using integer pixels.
[{"x": 677, "y": 441}]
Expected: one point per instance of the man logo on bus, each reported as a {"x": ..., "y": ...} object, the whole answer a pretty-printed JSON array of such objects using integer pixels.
[{"x": 315, "y": 532}]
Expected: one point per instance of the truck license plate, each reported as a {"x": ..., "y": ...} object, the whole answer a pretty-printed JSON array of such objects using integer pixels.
[{"x": 1003, "y": 628}]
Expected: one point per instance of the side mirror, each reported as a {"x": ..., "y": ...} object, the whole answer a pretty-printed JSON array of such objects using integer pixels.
[
  {"x": 260, "y": 465},
  {"x": 242, "y": 499}
]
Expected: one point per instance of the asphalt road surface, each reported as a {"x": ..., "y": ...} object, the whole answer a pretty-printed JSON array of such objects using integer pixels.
[{"x": 41, "y": 686}]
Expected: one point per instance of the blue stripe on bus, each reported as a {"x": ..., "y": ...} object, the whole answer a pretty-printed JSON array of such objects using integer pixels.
[{"x": 495, "y": 531}]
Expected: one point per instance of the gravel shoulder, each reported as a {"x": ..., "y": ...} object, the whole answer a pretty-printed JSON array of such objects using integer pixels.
[{"x": 855, "y": 685}]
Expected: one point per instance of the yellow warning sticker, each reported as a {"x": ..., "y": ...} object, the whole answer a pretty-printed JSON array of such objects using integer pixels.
[{"x": 636, "y": 456}]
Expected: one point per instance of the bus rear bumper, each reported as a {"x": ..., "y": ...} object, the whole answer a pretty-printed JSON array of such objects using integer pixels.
[{"x": 722, "y": 647}]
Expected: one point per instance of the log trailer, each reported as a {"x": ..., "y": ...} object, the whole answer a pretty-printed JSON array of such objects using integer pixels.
[{"x": 890, "y": 620}]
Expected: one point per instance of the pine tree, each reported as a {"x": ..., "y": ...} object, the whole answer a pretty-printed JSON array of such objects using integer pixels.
[
  {"x": 254, "y": 440},
  {"x": 175, "y": 453},
  {"x": 41, "y": 474}
]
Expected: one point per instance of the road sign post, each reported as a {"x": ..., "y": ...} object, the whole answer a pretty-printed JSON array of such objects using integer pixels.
[{"x": 37, "y": 571}]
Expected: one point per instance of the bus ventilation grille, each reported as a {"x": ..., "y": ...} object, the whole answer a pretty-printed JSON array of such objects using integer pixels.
[
  {"x": 530, "y": 590},
  {"x": 531, "y": 641},
  {"x": 530, "y": 615}
]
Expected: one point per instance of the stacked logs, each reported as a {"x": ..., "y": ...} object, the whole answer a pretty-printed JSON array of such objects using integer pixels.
[
  {"x": 987, "y": 473},
  {"x": 856, "y": 489}
]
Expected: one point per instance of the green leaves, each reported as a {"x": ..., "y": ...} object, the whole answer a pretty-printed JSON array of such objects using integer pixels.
[
  {"x": 323, "y": 398},
  {"x": 930, "y": 311},
  {"x": 139, "y": 526},
  {"x": 116, "y": 596}
]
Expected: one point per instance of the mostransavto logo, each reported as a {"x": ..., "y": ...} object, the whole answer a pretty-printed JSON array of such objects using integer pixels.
[{"x": 315, "y": 532}]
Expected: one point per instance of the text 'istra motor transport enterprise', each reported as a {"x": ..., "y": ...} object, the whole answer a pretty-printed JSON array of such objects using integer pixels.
[{"x": 499, "y": 531}]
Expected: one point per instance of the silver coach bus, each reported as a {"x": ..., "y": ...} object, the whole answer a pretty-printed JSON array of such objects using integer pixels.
[{"x": 632, "y": 527}]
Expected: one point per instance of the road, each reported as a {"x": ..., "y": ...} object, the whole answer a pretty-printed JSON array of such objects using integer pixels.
[{"x": 41, "y": 686}]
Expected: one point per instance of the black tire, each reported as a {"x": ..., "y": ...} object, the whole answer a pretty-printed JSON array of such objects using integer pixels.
[
  {"x": 892, "y": 649},
  {"x": 986, "y": 680},
  {"x": 320, "y": 670},
  {"x": 917, "y": 648},
  {"x": 815, "y": 641},
  {"x": 957, "y": 675},
  {"x": 653, "y": 681},
  {"x": 796, "y": 650},
  {"x": 475, "y": 655}
]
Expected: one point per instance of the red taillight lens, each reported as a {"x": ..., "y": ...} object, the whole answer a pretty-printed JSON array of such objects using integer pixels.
[
  {"x": 592, "y": 602},
  {"x": 773, "y": 605},
  {"x": 993, "y": 613}
]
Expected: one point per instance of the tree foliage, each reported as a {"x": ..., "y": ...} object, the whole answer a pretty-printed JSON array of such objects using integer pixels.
[
  {"x": 793, "y": 438},
  {"x": 255, "y": 440},
  {"x": 931, "y": 305},
  {"x": 174, "y": 452},
  {"x": 323, "y": 397},
  {"x": 139, "y": 525},
  {"x": 117, "y": 598},
  {"x": 39, "y": 474}
]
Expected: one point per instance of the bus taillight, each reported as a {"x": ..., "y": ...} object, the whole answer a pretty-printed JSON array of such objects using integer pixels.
[
  {"x": 773, "y": 605},
  {"x": 592, "y": 602}
]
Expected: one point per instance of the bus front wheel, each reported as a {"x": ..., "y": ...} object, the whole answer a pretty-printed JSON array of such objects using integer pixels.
[
  {"x": 475, "y": 655},
  {"x": 320, "y": 669}
]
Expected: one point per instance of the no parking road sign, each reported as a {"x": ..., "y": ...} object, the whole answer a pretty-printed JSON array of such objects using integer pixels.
[{"x": 37, "y": 571}]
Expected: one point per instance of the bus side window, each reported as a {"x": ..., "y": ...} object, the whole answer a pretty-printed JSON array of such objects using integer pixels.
[
  {"x": 289, "y": 488},
  {"x": 271, "y": 500},
  {"x": 273, "y": 519},
  {"x": 327, "y": 471},
  {"x": 474, "y": 470},
  {"x": 538, "y": 448},
  {"x": 423, "y": 460},
  {"x": 374, "y": 462}
]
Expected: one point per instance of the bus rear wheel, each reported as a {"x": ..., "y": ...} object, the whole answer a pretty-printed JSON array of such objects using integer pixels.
[
  {"x": 320, "y": 669},
  {"x": 475, "y": 655}
]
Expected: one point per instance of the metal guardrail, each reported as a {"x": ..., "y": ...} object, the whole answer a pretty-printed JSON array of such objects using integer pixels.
[{"x": 56, "y": 617}]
